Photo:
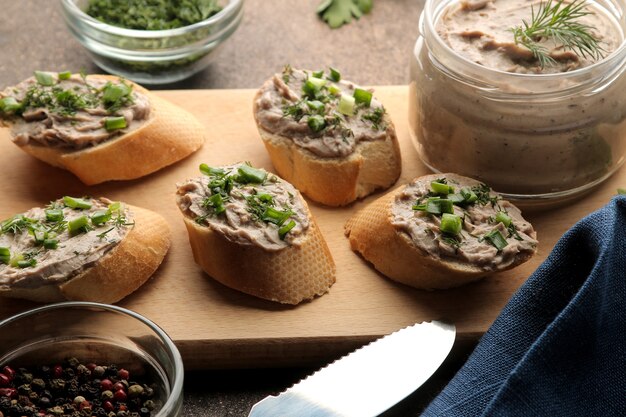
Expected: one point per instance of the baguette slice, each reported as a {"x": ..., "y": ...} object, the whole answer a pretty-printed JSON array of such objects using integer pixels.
[
  {"x": 169, "y": 135},
  {"x": 393, "y": 252},
  {"x": 118, "y": 273},
  {"x": 290, "y": 275},
  {"x": 332, "y": 180}
]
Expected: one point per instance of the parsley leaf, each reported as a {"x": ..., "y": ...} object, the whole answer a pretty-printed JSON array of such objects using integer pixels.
[{"x": 339, "y": 12}]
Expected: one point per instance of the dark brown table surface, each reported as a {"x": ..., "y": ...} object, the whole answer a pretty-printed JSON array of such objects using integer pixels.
[{"x": 373, "y": 51}]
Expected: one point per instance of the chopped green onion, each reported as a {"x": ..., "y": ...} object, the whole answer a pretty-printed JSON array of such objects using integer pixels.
[
  {"x": 77, "y": 225},
  {"x": 100, "y": 217},
  {"x": 334, "y": 90},
  {"x": 334, "y": 75},
  {"x": 114, "y": 123},
  {"x": 54, "y": 215},
  {"x": 503, "y": 218},
  {"x": 316, "y": 106},
  {"x": 51, "y": 243},
  {"x": 362, "y": 96},
  {"x": 76, "y": 203},
  {"x": 115, "y": 206},
  {"x": 40, "y": 236},
  {"x": 247, "y": 175},
  {"x": 316, "y": 123},
  {"x": 318, "y": 74},
  {"x": 27, "y": 263},
  {"x": 44, "y": 78},
  {"x": 271, "y": 215},
  {"x": 451, "y": 223},
  {"x": 266, "y": 198},
  {"x": 456, "y": 198},
  {"x": 469, "y": 195},
  {"x": 15, "y": 259},
  {"x": 65, "y": 75},
  {"x": 435, "y": 205},
  {"x": 346, "y": 105},
  {"x": 312, "y": 86},
  {"x": 5, "y": 255},
  {"x": 9, "y": 104},
  {"x": 210, "y": 171},
  {"x": 441, "y": 188},
  {"x": 496, "y": 239},
  {"x": 285, "y": 229},
  {"x": 217, "y": 202},
  {"x": 113, "y": 92}
]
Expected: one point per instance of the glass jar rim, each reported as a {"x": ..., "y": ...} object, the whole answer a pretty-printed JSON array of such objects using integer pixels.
[
  {"x": 431, "y": 13},
  {"x": 177, "y": 383},
  {"x": 75, "y": 11}
]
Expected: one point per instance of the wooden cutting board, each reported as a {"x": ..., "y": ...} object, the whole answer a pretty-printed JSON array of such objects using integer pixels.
[{"x": 216, "y": 327}]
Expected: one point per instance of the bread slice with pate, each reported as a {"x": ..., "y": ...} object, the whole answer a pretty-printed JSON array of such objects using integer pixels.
[
  {"x": 98, "y": 127},
  {"x": 328, "y": 137},
  {"x": 253, "y": 232},
  {"x": 84, "y": 249},
  {"x": 441, "y": 231}
]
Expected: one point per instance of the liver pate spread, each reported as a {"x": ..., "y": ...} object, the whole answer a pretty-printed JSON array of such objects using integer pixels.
[
  {"x": 479, "y": 221},
  {"x": 480, "y": 30},
  {"x": 287, "y": 104},
  {"x": 53, "y": 244},
  {"x": 73, "y": 112},
  {"x": 246, "y": 205}
]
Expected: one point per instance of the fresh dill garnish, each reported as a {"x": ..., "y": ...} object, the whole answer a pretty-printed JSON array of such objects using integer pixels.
[
  {"x": 103, "y": 234},
  {"x": 513, "y": 232},
  {"x": 287, "y": 71},
  {"x": 376, "y": 118},
  {"x": 484, "y": 197},
  {"x": 296, "y": 110},
  {"x": 559, "y": 22}
]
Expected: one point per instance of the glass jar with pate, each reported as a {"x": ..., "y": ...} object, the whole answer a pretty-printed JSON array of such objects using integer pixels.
[{"x": 484, "y": 106}]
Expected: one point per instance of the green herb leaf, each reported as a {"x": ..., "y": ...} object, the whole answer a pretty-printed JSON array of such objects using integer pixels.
[{"x": 339, "y": 12}]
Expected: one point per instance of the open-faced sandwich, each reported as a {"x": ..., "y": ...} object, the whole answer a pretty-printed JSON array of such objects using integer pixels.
[
  {"x": 328, "y": 137},
  {"x": 252, "y": 231},
  {"x": 88, "y": 249},
  {"x": 98, "y": 127},
  {"x": 441, "y": 231}
]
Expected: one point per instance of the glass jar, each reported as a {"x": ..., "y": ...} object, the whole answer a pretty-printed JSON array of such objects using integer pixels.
[
  {"x": 101, "y": 334},
  {"x": 531, "y": 137}
]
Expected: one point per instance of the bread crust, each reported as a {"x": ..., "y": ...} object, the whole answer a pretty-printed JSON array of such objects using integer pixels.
[
  {"x": 169, "y": 135},
  {"x": 118, "y": 273},
  {"x": 335, "y": 181},
  {"x": 288, "y": 276},
  {"x": 393, "y": 253}
]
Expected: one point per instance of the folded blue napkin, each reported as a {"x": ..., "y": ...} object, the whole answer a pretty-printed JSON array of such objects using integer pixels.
[{"x": 558, "y": 348}]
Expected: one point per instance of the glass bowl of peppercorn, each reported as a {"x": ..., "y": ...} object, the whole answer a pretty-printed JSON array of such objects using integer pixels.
[
  {"x": 152, "y": 41},
  {"x": 87, "y": 359}
]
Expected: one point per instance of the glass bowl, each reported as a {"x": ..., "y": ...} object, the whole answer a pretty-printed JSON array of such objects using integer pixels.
[
  {"x": 99, "y": 334},
  {"x": 152, "y": 56}
]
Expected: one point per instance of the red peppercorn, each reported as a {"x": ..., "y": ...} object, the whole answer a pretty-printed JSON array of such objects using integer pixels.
[
  {"x": 4, "y": 380},
  {"x": 123, "y": 374},
  {"x": 8, "y": 392},
  {"x": 118, "y": 386},
  {"x": 91, "y": 366},
  {"x": 119, "y": 395},
  {"x": 57, "y": 371},
  {"x": 122, "y": 407},
  {"x": 8, "y": 371},
  {"x": 108, "y": 406},
  {"x": 106, "y": 385},
  {"x": 84, "y": 405}
]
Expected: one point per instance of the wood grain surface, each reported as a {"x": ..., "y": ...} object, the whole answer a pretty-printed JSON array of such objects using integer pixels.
[{"x": 216, "y": 327}]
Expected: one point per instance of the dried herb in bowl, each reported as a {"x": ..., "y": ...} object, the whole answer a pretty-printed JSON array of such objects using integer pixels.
[{"x": 152, "y": 14}]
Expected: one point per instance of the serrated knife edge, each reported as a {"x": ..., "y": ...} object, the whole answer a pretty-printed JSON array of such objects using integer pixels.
[{"x": 389, "y": 368}]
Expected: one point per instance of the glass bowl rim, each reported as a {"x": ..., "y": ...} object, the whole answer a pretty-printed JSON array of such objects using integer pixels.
[
  {"x": 177, "y": 383},
  {"x": 75, "y": 12}
]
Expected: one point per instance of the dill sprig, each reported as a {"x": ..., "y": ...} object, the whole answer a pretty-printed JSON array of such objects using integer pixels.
[{"x": 559, "y": 22}]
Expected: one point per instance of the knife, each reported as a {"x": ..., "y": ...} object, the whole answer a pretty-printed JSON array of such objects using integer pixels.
[{"x": 369, "y": 380}]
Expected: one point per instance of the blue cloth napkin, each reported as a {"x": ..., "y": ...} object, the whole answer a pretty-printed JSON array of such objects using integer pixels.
[{"x": 558, "y": 347}]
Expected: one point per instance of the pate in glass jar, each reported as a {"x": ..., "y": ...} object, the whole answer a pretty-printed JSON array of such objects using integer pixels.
[{"x": 484, "y": 106}]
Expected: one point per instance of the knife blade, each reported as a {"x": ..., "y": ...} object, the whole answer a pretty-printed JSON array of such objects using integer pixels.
[{"x": 369, "y": 380}]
